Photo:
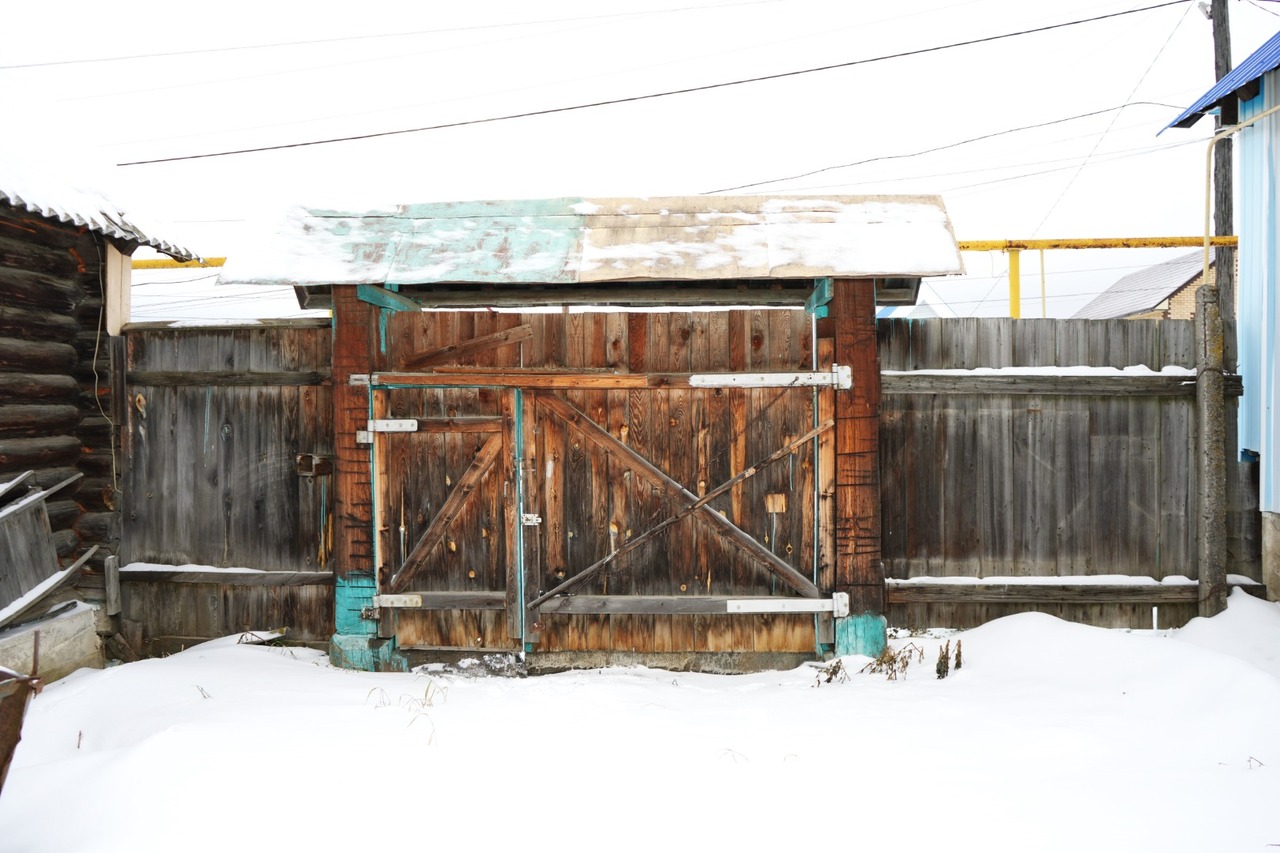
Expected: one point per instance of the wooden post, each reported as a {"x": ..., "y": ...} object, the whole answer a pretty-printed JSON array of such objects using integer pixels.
[
  {"x": 1212, "y": 495},
  {"x": 1224, "y": 256},
  {"x": 858, "y": 569},
  {"x": 111, "y": 571},
  {"x": 355, "y": 644}
]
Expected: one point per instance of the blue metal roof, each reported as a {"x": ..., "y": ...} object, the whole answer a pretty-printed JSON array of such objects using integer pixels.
[{"x": 1260, "y": 62}]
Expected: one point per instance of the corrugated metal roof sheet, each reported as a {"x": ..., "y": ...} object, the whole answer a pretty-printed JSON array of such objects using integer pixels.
[
  {"x": 27, "y": 188},
  {"x": 581, "y": 241},
  {"x": 1143, "y": 290},
  {"x": 1261, "y": 61}
]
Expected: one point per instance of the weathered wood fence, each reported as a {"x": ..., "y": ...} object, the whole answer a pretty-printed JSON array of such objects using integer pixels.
[
  {"x": 1043, "y": 470},
  {"x": 228, "y": 442},
  {"x": 1051, "y": 474}
]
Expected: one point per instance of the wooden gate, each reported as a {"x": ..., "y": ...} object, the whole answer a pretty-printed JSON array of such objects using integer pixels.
[
  {"x": 562, "y": 510},
  {"x": 445, "y": 522}
]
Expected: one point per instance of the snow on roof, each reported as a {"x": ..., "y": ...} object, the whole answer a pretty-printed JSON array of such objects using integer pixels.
[
  {"x": 1143, "y": 290},
  {"x": 39, "y": 192},
  {"x": 581, "y": 241}
]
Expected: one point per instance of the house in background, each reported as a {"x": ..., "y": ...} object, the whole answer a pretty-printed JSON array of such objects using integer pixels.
[
  {"x": 1255, "y": 85},
  {"x": 1165, "y": 291}
]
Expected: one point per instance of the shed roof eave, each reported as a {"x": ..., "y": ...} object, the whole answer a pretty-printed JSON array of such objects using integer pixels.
[{"x": 1266, "y": 58}]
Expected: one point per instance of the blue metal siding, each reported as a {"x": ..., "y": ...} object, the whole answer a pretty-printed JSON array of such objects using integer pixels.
[{"x": 1259, "y": 353}]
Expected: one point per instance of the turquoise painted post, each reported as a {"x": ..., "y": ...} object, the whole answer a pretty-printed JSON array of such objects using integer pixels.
[
  {"x": 355, "y": 644},
  {"x": 865, "y": 634}
]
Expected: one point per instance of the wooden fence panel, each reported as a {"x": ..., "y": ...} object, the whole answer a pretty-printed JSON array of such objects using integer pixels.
[
  {"x": 229, "y": 446},
  {"x": 1084, "y": 475}
]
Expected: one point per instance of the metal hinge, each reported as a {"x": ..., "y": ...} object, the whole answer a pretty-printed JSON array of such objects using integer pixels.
[{"x": 836, "y": 605}]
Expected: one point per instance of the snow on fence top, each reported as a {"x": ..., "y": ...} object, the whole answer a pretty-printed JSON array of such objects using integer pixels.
[{"x": 581, "y": 241}]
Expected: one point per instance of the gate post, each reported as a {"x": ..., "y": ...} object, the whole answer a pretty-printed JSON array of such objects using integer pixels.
[
  {"x": 858, "y": 569},
  {"x": 355, "y": 644}
]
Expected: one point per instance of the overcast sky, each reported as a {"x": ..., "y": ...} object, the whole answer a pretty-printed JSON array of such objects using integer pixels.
[{"x": 88, "y": 78}]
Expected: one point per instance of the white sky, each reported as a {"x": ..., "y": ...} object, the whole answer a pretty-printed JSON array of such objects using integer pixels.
[{"x": 398, "y": 65}]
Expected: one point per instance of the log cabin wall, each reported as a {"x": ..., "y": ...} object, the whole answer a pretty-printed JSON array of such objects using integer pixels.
[
  {"x": 55, "y": 377},
  {"x": 1058, "y": 474}
]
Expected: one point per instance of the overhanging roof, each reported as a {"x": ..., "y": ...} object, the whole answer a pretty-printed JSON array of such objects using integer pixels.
[
  {"x": 37, "y": 192},
  {"x": 1261, "y": 61},
  {"x": 571, "y": 243}
]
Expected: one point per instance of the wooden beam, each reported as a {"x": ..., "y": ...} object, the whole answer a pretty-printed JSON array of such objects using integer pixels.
[
  {"x": 600, "y": 437},
  {"x": 1162, "y": 385},
  {"x": 226, "y": 378},
  {"x": 1047, "y": 593},
  {"x": 230, "y": 577},
  {"x": 448, "y": 511},
  {"x": 465, "y": 349},
  {"x": 858, "y": 569},
  {"x": 460, "y": 425},
  {"x": 597, "y": 380},
  {"x": 684, "y": 296},
  {"x": 649, "y": 605},
  {"x": 380, "y": 297}
]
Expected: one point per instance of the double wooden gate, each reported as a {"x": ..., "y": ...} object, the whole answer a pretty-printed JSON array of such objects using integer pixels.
[{"x": 567, "y": 511}]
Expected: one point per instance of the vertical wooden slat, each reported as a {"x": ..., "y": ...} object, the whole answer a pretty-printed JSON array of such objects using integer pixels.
[{"x": 858, "y": 568}]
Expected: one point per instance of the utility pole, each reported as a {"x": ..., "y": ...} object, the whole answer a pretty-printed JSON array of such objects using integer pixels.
[
  {"x": 1214, "y": 304},
  {"x": 1224, "y": 256}
]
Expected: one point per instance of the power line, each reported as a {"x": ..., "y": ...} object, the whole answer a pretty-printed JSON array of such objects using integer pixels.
[
  {"x": 655, "y": 95},
  {"x": 938, "y": 148},
  {"x": 1098, "y": 143},
  {"x": 374, "y": 36}
]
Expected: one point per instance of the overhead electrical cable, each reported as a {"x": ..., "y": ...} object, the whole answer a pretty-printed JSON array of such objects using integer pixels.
[
  {"x": 654, "y": 95},
  {"x": 936, "y": 149}
]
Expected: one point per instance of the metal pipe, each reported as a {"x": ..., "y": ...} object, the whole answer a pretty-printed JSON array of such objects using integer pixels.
[{"x": 1015, "y": 283}]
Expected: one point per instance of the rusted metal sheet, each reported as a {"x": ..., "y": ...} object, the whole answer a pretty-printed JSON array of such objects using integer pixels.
[
  {"x": 15, "y": 694},
  {"x": 584, "y": 241}
]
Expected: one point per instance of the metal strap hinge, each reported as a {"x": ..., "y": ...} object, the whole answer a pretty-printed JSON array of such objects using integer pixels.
[
  {"x": 836, "y": 605},
  {"x": 393, "y": 425}
]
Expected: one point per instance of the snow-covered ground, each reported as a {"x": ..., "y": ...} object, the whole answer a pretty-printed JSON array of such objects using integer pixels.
[{"x": 1053, "y": 736}]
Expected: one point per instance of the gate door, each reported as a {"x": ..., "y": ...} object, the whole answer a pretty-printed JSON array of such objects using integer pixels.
[{"x": 445, "y": 509}]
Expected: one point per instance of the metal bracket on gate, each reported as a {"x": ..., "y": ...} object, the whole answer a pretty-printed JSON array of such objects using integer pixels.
[
  {"x": 836, "y": 605},
  {"x": 839, "y": 376},
  {"x": 393, "y": 425}
]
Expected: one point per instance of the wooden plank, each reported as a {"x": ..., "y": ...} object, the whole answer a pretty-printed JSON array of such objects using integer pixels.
[
  {"x": 1088, "y": 385},
  {"x": 598, "y": 380},
  {"x": 973, "y": 593},
  {"x": 474, "y": 424},
  {"x": 468, "y": 348},
  {"x": 224, "y": 378},
  {"x": 652, "y": 605},
  {"x": 229, "y": 577},
  {"x": 448, "y": 512}
]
